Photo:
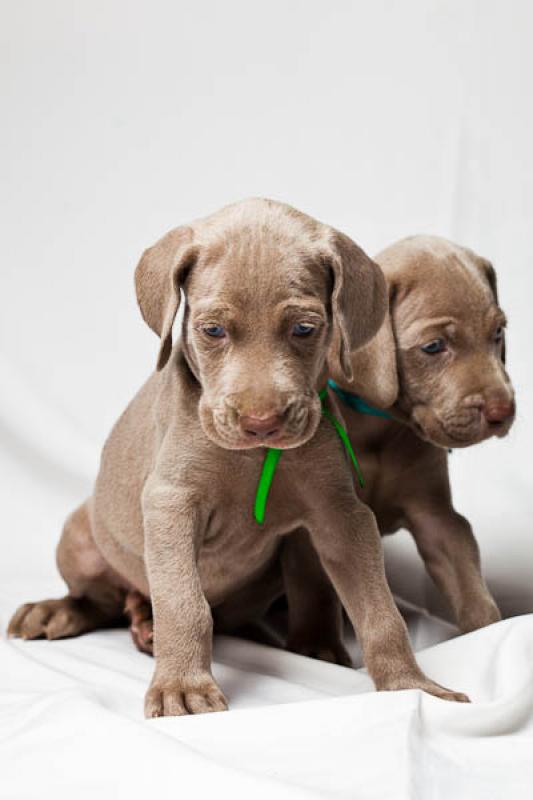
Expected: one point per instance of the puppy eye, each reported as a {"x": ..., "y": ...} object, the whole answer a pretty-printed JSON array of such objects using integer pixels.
[
  {"x": 435, "y": 346},
  {"x": 303, "y": 329},
  {"x": 498, "y": 334},
  {"x": 215, "y": 331}
]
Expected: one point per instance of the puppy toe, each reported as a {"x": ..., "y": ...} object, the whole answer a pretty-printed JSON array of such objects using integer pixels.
[
  {"x": 197, "y": 703},
  {"x": 217, "y": 700},
  {"x": 153, "y": 703},
  {"x": 34, "y": 623},
  {"x": 455, "y": 697},
  {"x": 15, "y": 624},
  {"x": 444, "y": 694},
  {"x": 174, "y": 704},
  {"x": 63, "y": 622},
  {"x": 203, "y": 702},
  {"x": 164, "y": 703}
]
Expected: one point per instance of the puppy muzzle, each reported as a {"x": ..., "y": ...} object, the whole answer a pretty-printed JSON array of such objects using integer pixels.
[
  {"x": 469, "y": 424},
  {"x": 282, "y": 425}
]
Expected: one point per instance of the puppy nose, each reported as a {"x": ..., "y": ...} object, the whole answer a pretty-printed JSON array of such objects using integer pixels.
[
  {"x": 261, "y": 426},
  {"x": 498, "y": 411}
]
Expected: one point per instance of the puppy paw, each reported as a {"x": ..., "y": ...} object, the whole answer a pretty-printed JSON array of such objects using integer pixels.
[
  {"x": 51, "y": 619},
  {"x": 194, "y": 697},
  {"x": 444, "y": 694},
  {"x": 425, "y": 685}
]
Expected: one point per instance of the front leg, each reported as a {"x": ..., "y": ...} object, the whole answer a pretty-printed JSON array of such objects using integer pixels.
[
  {"x": 349, "y": 545},
  {"x": 183, "y": 628},
  {"x": 451, "y": 555}
]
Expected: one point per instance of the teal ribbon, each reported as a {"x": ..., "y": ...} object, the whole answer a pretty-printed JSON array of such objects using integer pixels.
[
  {"x": 356, "y": 402},
  {"x": 273, "y": 456}
]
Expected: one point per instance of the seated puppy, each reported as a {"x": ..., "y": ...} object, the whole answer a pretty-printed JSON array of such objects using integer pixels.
[
  {"x": 438, "y": 365},
  {"x": 268, "y": 291}
]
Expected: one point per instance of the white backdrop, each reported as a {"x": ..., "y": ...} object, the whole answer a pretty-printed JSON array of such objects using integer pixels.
[{"x": 122, "y": 119}]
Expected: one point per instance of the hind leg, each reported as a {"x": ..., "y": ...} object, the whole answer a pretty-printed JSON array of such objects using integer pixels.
[
  {"x": 243, "y": 614},
  {"x": 96, "y": 594},
  {"x": 315, "y": 613}
]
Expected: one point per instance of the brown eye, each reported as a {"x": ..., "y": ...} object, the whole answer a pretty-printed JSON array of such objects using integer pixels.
[
  {"x": 498, "y": 334},
  {"x": 434, "y": 347}
]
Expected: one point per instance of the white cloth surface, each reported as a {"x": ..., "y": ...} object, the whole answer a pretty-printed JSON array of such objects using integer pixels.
[
  {"x": 71, "y": 722},
  {"x": 122, "y": 119}
]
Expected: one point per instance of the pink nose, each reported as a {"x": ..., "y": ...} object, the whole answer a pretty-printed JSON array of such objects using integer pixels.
[
  {"x": 263, "y": 427},
  {"x": 498, "y": 411}
]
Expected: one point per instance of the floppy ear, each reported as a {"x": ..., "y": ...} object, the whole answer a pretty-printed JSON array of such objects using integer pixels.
[
  {"x": 490, "y": 275},
  {"x": 158, "y": 279},
  {"x": 374, "y": 366},
  {"x": 358, "y": 302}
]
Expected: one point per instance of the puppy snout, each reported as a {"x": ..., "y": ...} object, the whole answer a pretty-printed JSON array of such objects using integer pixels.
[
  {"x": 282, "y": 420},
  {"x": 498, "y": 411},
  {"x": 263, "y": 426}
]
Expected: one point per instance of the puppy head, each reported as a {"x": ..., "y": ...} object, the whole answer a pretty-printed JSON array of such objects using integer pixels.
[
  {"x": 269, "y": 292},
  {"x": 442, "y": 349}
]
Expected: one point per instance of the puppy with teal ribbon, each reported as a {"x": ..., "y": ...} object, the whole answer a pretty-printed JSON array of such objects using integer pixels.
[{"x": 433, "y": 380}]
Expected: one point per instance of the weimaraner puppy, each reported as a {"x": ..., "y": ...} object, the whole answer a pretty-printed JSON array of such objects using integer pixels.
[
  {"x": 438, "y": 365},
  {"x": 269, "y": 291}
]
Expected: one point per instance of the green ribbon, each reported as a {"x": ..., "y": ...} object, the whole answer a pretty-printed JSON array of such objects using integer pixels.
[{"x": 273, "y": 456}]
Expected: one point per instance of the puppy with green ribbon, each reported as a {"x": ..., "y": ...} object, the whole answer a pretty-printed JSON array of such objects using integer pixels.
[{"x": 269, "y": 293}]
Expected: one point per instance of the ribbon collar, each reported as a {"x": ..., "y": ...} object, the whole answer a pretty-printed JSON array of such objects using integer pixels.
[
  {"x": 273, "y": 455},
  {"x": 356, "y": 402}
]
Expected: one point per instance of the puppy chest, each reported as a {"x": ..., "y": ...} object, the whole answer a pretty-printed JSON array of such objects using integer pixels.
[
  {"x": 233, "y": 552},
  {"x": 235, "y": 546},
  {"x": 382, "y": 492}
]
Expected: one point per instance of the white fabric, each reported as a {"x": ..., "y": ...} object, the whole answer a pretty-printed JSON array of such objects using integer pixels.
[
  {"x": 123, "y": 119},
  {"x": 71, "y": 723}
]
